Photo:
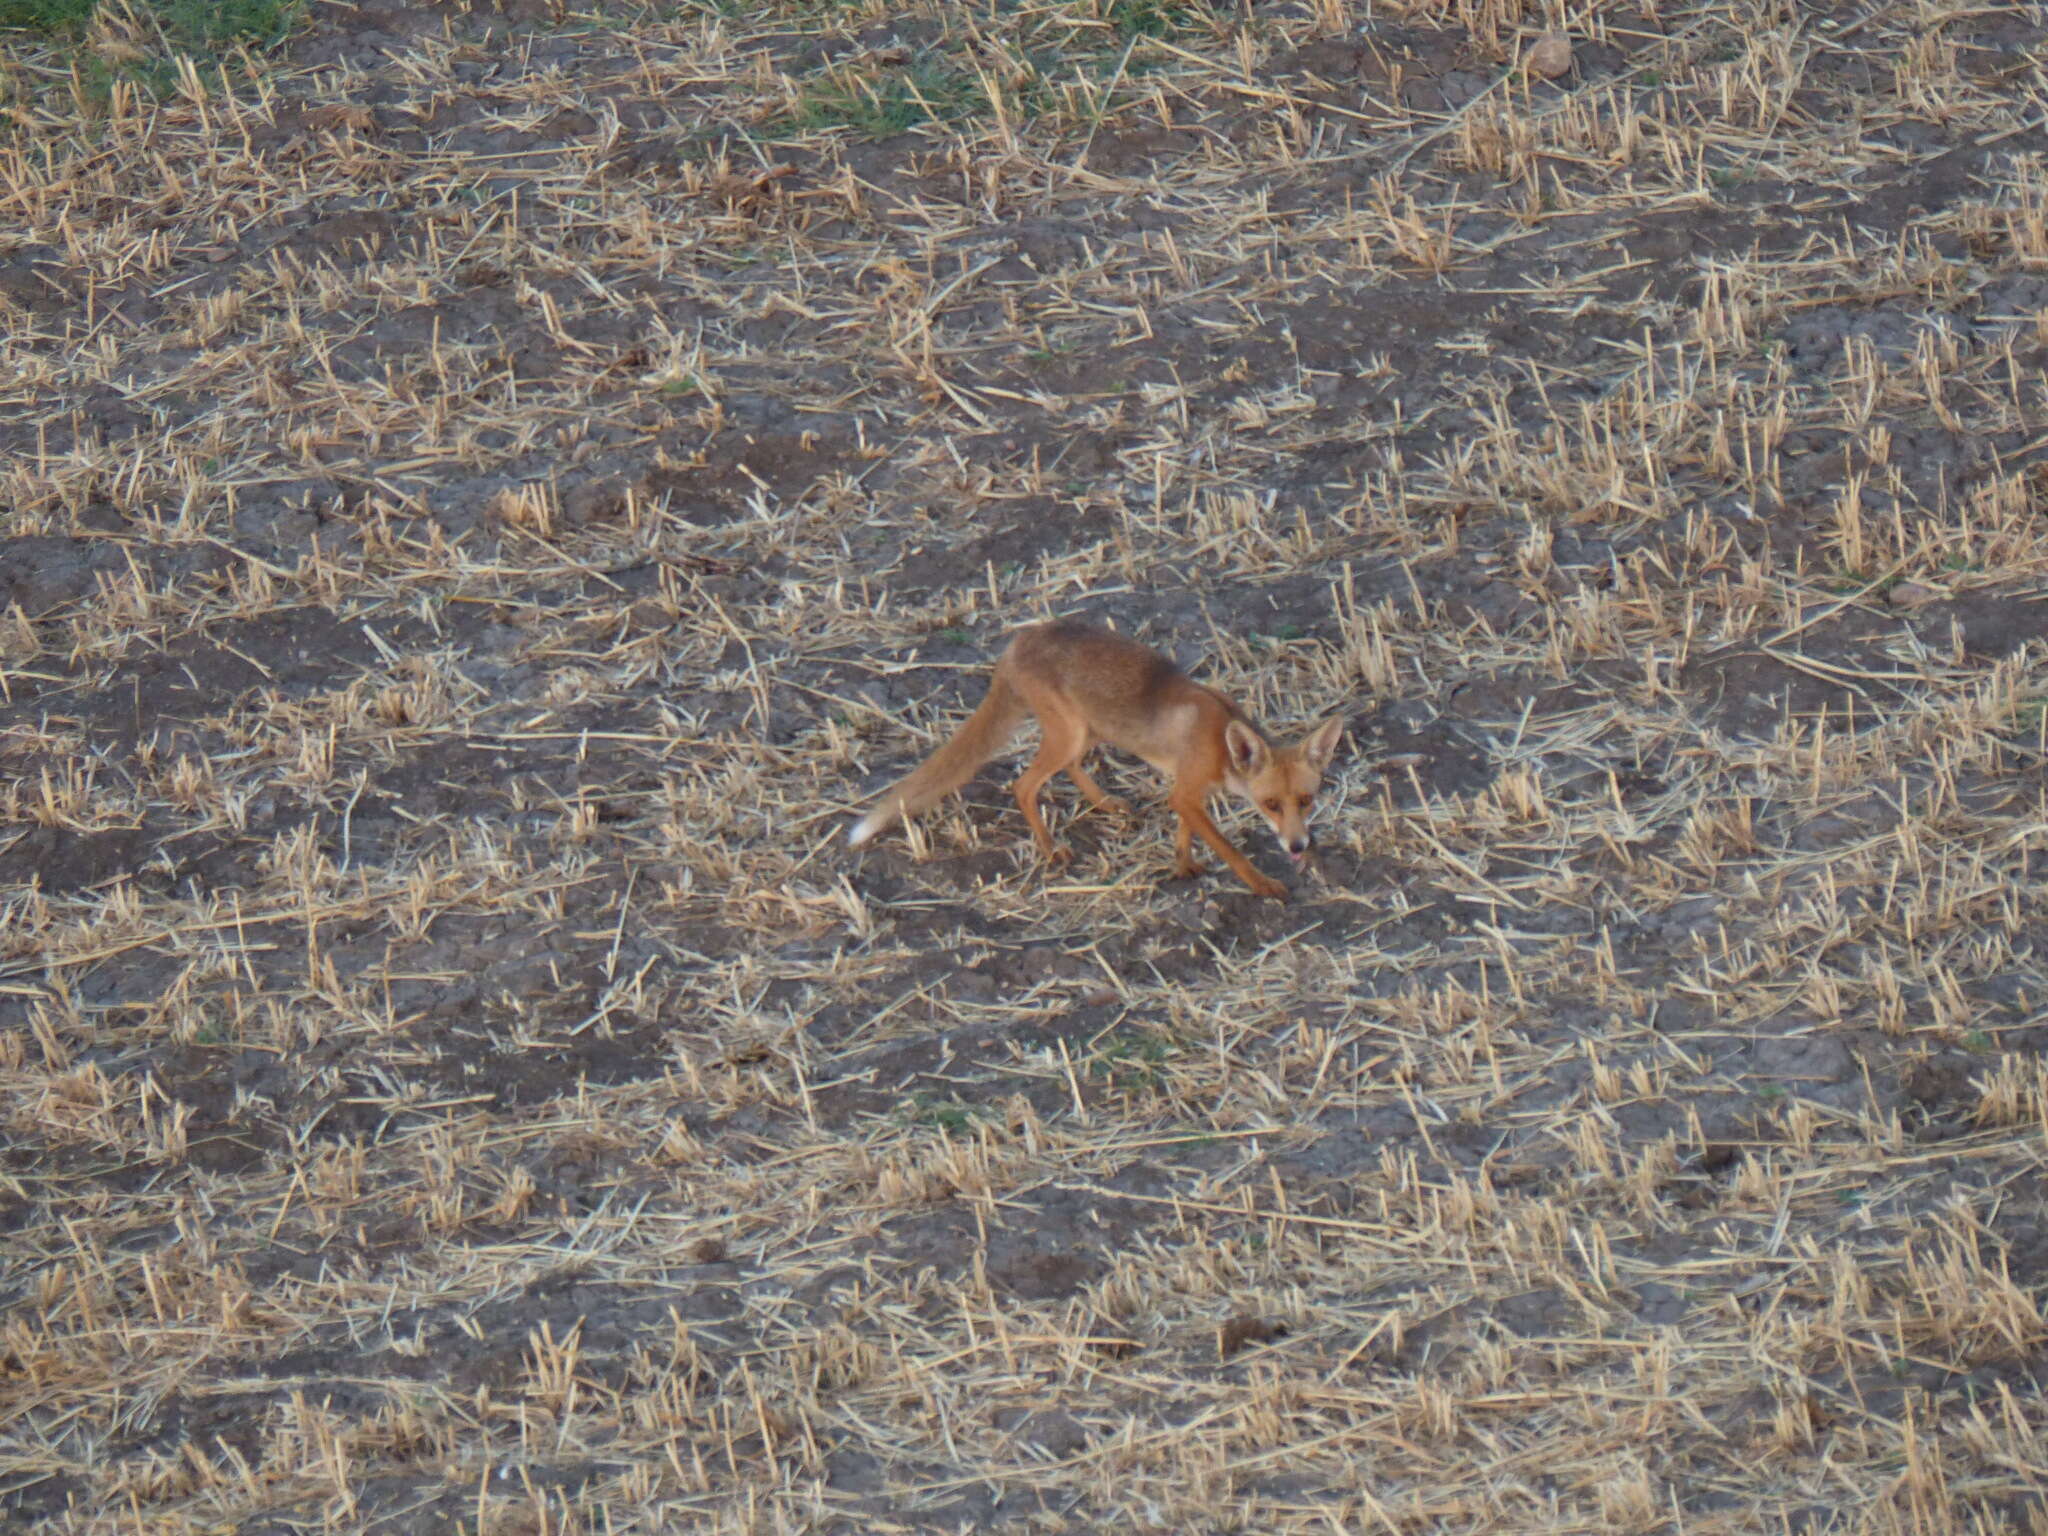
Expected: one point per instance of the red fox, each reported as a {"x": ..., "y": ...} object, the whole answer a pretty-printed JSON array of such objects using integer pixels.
[{"x": 1089, "y": 685}]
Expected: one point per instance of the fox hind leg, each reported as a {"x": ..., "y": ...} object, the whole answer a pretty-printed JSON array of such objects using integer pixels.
[
  {"x": 1113, "y": 805},
  {"x": 1066, "y": 738}
]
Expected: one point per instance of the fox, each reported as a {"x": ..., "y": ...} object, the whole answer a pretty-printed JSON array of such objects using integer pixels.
[{"x": 1089, "y": 686}]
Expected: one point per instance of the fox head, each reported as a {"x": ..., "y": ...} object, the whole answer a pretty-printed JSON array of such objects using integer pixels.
[{"x": 1281, "y": 782}]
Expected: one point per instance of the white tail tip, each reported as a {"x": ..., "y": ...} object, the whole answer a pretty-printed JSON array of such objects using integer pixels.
[{"x": 863, "y": 829}]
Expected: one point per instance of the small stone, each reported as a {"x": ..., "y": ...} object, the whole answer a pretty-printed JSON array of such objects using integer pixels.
[
  {"x": 1912, "y": 594},
  {"x": 654, "y": 613},
  {"x": 1550, "y": 56}
]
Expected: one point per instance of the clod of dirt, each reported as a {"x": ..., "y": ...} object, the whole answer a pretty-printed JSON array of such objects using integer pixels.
[
  {"x": 1937, "y": 1082},
  {"x": 1912, "y": 594},
  {"x": 1108, "y": 1339},
  {"x": 1719, "y": 1156},
  {"x": 594, "y": 501},
  {"x": 1244, "y": 1329},
  {"x": 352, "y": 236},
  {"x": 1052, "y": 1431},
  {"x": 1550, "y": 56},
  {"x": 1041, "y": 1276},
  {"x": 740, "y": 193},
  {"x": 338, "y": 118}
]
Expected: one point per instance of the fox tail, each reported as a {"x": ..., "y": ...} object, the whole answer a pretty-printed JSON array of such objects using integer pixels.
[{"x": 987, "y": 731}]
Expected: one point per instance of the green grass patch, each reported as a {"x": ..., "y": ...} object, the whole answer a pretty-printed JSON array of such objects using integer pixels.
[
  {"x": 60, "y": 17},
  {"x": 187, "y": 26},
  {"x": 149, "y": 37},
  {"x": 1133, "y": 1060},
  {"x": 954, "y": 1116},
  {"x": 1060, "y": 84},
  {"x": 1154, "y": 18},
  {"x": 880, "y": 106}
]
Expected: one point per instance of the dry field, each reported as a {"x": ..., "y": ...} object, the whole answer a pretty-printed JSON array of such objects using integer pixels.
[{"x": 489, "y": 490}]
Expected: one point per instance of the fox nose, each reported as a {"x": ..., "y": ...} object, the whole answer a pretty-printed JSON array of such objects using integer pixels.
[{"x": 1300, "y": 845}]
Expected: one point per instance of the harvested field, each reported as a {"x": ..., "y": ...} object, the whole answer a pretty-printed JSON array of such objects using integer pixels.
[{"x": 491, "y": 490}]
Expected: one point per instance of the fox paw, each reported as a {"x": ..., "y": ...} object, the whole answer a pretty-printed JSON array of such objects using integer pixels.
[
  {"x": 1059, "y": 855},
  {"x": 1262, "y": 886},
  {"x": 1115, "y": 806}
]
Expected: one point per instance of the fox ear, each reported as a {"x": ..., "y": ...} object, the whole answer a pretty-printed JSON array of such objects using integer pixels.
[
  {"x": 1248, "y": 753},
  {"x": 1320, "y": 745}
]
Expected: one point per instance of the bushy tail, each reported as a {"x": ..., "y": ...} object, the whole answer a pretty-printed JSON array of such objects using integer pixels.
[{"x": 987, "y": 731}]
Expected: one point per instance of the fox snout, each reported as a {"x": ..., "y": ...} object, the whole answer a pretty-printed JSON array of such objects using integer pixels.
[
  {"x": 1287, "y": 813},
  {"x": 1297, "y": 840},
  {"x": 1290, "y": 826}
]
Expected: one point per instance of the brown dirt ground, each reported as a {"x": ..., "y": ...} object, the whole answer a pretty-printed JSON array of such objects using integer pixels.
[{"x": 490, "y": 490}]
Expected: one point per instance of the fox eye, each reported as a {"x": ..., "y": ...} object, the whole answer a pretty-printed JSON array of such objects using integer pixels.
[
  {"x": 1307, "y": 801},
  {"x": 1273, "y": 806}
]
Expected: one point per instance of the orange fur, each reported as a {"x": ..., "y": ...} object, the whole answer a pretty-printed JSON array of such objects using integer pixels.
[{"x": 1089, "y": 686}]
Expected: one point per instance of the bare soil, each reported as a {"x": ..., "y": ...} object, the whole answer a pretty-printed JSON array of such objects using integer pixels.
[{"x": 489, "y": 490}]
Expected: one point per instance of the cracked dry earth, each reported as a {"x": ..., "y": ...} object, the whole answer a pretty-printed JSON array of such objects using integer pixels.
[{"x": 489, "y": 491}]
